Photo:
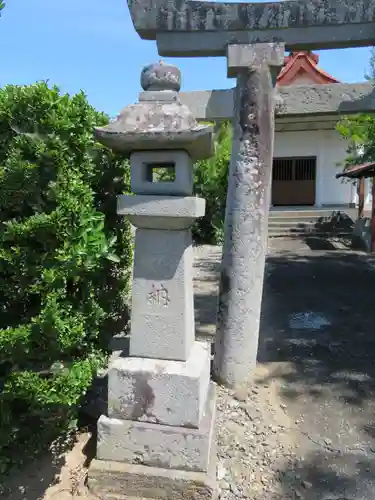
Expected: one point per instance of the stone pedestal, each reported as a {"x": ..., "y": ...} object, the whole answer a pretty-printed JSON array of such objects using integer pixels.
[{"x": 157, "y": 439}]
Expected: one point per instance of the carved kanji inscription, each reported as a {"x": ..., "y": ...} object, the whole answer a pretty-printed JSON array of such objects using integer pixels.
[{"x": 158, "y": 296}]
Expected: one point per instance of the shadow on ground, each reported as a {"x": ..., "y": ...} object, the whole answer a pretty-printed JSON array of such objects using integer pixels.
[
  {"x": 57, "y": 475},
  {"x": 344, "y": 476},
  {"x": 318, "y": 318},
  {"x": 318, "y": 313}
]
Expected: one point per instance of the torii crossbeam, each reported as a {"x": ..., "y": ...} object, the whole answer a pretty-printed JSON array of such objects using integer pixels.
[{"x": 189, "y": 28}]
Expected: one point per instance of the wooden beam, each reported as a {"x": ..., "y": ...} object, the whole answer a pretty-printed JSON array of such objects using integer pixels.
[{"x": 361, "y": 197}]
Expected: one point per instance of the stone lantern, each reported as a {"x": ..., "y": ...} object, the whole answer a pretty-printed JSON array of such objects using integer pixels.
[{"x": 157, "y": 439}]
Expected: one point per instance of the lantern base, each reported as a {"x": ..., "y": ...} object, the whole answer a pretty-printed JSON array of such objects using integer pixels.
[{"x": 122, "y": 481}]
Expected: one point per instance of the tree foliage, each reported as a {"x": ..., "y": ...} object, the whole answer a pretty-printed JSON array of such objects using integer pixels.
[
  {"x": 64, "y": 256},
  {"x": 211, "y": 183},
  {"x": 359, "y": 130}
]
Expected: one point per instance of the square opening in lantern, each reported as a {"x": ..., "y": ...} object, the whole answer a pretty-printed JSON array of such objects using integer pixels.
[
  {"x": 163, "y": 172},
  {"x": 160, "y": 172}
]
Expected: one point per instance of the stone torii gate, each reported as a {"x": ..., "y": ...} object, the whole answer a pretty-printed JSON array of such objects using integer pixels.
[{"x": 253, "y": 37}]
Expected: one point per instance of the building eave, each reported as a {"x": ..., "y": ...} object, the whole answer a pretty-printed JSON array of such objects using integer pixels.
[{"x": 358, "y": 171}]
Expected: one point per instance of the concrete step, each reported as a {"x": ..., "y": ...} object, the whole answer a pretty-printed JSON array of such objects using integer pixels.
[
  {"x": 293, "y": 223},
  {"x": 325, "y": 222},
  {"x": 315, "y": 234},
  {"x": 310, "y": 226},
  {"x": 297, "y": 219},
  {"x": 328, "y": 212},
  {"x": 284, "y": 234}
]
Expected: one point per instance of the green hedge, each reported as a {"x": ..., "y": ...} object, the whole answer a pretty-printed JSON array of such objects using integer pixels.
[
  {"x": 64, "y": 258},
  {"x": 211, "y": 183}
]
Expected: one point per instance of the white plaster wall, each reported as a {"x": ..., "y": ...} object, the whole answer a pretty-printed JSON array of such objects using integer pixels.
[
  {"x": 329, "y": 149},
  {"x": 368, "y": 195}
]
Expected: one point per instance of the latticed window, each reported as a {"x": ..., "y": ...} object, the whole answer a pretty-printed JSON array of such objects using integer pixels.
[
  {"x": 293, "y": 181},
  {"x": 294, "y": 169}
]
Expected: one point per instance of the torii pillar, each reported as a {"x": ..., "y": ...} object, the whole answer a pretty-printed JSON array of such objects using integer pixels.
[{"x": 246, "y": 215}]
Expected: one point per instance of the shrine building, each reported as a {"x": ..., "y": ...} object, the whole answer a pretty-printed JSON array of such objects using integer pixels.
[{"x": 308, "y": 151}]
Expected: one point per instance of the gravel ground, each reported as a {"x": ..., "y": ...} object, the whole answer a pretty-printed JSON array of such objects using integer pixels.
[
  {"x": 254, "y": 433},
  {"x": 254, "y": 443}
]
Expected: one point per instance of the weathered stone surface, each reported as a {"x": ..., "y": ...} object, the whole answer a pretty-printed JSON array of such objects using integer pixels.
[
  {"x": 158, "y": 391},
  {"x": 159, "y": 122},
  {"x": 250, "y": 56},
  {"x": 141, "y": 164},
  {"x": 245, "y": 236},
  {"x": 111, "y": 480},
  {"x": 297, "y": 100},
  {"x": 161, "y": 212},
  {"x": 131, "y": 131},
  {"x": 162, "y": 322},
  {"x": 156, "y": 95},
  {"x": 158, "y": 445},
  {"x": 161, "y": 76},
  {"x": 183, "y": 27},
  {"x": 214, "y": 43},
  {"x": 154, "y": 16}
]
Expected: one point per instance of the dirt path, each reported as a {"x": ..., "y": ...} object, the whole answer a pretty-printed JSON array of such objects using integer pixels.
[{"x": 305, "y": 429}]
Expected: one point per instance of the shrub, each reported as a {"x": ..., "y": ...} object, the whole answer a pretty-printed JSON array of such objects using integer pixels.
[
  {"x": 64, "y": 257},
  {"x": 211, "y": 183}
]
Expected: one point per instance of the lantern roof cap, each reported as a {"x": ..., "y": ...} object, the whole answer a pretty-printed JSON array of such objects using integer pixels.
[{"x": 159, "y": 121}]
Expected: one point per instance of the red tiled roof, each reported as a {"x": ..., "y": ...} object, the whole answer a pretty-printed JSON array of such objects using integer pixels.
[{"x": 303, "y": 62}]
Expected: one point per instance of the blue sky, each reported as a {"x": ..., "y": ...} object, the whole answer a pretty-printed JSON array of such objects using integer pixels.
[{"x": 91, "y": 45}]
